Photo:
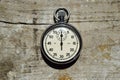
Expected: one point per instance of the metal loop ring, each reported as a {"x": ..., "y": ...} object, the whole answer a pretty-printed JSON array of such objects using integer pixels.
[{"x": 56, "y": 19}]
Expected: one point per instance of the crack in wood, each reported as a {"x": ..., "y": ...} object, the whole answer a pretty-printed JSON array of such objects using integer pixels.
[
  {"x": 24, "y": 23},
  {"x": 92, "y": 21},
  {"x": 34, "y": 22}
]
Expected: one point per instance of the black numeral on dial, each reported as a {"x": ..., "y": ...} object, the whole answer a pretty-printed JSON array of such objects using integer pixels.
[
  {"x": 71, "y": 49},
  {"x": 51, "y": 49},
  {"x": 67, "y": 54},
  {"x": 61, "y": 56},
  {"x": 55, "y": 32},
  {"x": 49, "y": 43},
  {"x": 72, "y": 36},
  {"x": 74, "y": 43},
  {"x": 51, "y": 36},
  {"x": 54, "y": 54}
]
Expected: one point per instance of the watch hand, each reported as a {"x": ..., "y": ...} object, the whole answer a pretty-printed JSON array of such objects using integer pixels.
[{"x": 61, "y": 43}]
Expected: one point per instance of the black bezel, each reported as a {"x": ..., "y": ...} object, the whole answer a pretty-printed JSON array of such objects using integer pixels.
[{"x": 52, "y": 62}]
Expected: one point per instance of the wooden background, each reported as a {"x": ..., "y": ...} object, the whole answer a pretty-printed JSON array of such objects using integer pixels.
[{"x": 22, "y": 23}]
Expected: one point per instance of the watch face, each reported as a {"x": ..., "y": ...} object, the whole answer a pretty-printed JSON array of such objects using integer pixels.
[{"x": 61, "y": 43}]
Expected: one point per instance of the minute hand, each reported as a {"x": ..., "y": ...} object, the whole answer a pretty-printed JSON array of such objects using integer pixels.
[{"x": 61, "y": 43}]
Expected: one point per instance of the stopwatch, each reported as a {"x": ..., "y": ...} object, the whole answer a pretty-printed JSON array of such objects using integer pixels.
[{"x": 61, "y": 42}]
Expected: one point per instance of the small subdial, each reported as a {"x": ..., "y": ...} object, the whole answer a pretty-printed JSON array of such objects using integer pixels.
[{"x": 64, "y": 35}]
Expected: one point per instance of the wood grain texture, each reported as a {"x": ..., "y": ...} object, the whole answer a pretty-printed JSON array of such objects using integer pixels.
[{"x": 22, "y": 23}]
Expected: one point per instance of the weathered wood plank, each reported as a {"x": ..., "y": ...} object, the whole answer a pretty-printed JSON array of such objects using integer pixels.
[
  {"x": 24, "y": 11},
  {"x": 22, "y": 23}
]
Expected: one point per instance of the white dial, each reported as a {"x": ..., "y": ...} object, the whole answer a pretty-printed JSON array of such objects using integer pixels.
[{"x": 61, "y": 44}]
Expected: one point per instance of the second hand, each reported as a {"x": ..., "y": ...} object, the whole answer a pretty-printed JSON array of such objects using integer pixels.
[{"x": 61, "y": 43}]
